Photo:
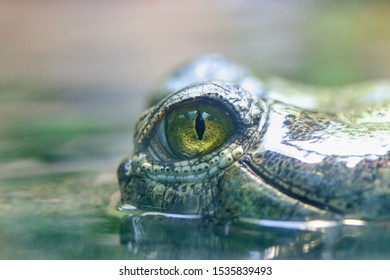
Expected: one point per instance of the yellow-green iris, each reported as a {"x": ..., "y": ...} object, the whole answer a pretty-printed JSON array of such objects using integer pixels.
[{"x": 192, "y": 131}]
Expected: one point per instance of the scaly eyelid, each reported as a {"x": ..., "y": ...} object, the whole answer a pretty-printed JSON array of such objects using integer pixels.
[{"x": 245, "y": 112}]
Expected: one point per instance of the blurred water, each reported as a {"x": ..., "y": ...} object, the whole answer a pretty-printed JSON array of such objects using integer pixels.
[{"x": 74, "y": 77}]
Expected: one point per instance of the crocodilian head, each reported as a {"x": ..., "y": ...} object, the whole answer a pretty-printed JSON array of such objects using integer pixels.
[{"x": 190, "y": 155}]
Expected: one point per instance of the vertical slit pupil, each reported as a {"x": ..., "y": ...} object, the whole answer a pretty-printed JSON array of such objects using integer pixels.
[{"x": 200, "y": 125}]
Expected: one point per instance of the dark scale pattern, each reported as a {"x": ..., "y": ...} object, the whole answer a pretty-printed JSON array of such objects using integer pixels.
[
  {"x": 303, "y": 125},
  {"x": 330, "y": 184}
]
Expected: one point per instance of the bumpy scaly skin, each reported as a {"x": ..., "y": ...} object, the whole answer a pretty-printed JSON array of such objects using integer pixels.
[
  {"x": 152, "y": 181},
  {"x": 283, "y": 162},
  {"x": 322, "y": 161}
]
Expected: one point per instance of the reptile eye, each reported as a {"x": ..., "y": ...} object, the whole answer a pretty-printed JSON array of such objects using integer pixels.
[{"x": 195, "y": 129}]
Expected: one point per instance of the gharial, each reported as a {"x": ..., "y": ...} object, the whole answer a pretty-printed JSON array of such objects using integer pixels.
[{"x": 220, "y": 143}]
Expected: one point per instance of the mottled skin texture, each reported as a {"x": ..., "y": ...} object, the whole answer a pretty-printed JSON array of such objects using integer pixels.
[{"x": 284, "y": 162}]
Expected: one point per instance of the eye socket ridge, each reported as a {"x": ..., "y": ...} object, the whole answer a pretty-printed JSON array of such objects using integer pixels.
[{"x": 241, "y": 109}]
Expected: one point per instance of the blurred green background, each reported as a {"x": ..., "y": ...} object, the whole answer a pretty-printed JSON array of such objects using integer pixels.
[
  {"x": 69, "y": 69},
  {"x": 74, "y": 76}
]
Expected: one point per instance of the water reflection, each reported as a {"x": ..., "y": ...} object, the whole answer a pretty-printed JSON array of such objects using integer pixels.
[
  {"x": 164, "y": 237},
  {"x": 161, "y": 237}
]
